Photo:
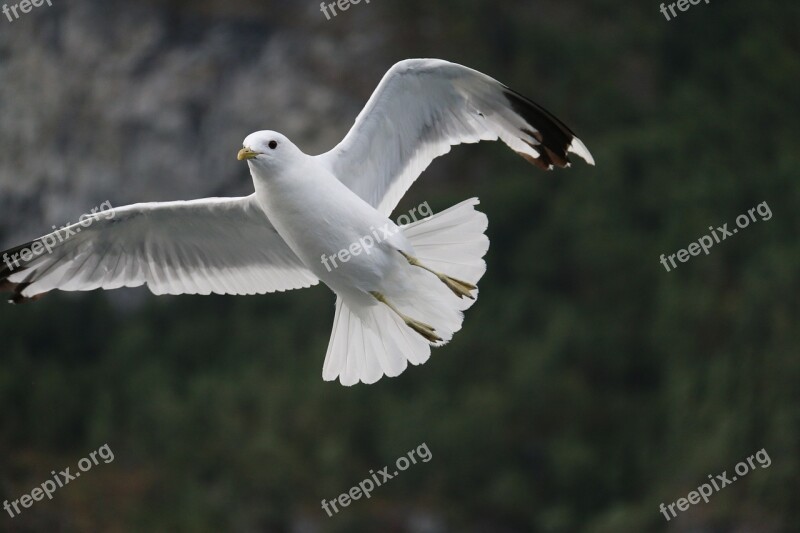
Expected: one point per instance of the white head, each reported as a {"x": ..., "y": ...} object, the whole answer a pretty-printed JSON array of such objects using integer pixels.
[{"x": 268, "y": 151}]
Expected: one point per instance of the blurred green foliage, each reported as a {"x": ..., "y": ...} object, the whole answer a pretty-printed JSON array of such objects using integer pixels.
[{"x": 587, "y": 386}]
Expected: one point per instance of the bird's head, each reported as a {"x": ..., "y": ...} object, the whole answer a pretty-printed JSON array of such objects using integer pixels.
[{"x": 268, "y": 151}]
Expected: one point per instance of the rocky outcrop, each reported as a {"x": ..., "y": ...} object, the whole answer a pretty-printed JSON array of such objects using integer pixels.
[{"x": 104, "y": 100}]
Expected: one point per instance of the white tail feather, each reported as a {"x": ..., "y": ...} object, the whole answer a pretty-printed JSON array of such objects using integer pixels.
[{"x": 370, "y": 342}]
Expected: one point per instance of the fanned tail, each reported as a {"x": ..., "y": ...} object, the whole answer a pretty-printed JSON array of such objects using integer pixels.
[{"x": 371, "y": 341}]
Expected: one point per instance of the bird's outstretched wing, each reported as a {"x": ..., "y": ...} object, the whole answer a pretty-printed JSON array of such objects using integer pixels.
[
  {"x": 422, "y": 108},
  {"x": 214, "y": 245}
]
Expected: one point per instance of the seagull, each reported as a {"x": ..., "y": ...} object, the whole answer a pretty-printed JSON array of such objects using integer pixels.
[{"x": 396, "y": 298}]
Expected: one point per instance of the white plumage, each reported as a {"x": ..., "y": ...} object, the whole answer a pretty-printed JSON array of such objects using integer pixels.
[
  {"x": 396, "y": 299},
  {"x": 368, "y": 343},
  {"x": 216, "y": 245},
  {"x": 420, "y": 110}
]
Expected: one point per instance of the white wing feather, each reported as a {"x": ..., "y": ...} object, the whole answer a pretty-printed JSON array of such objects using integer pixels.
[
  {"x": 214, "y": 245},
  {"x": 423, "y": 107}
]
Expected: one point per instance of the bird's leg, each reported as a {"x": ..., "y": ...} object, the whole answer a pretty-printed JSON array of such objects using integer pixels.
[
  {"x": 420, "y": 327},
  {"x": 460, "y": 288}
]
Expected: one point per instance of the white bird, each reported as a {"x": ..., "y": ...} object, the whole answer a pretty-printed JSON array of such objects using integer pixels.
[{"x": 402, "y": 295}]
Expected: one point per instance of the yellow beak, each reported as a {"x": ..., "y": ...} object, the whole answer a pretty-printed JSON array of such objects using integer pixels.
[{"x": 246, "y": 153}]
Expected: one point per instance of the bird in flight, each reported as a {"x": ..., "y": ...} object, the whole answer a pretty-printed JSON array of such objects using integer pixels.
[{"x": 395, "y": 298}]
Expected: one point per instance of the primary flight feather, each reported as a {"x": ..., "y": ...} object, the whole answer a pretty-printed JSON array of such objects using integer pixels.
[{"x": 396, "y": 299}]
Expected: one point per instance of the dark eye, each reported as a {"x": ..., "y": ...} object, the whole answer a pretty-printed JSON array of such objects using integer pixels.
[{"x": 273, "y": 144}]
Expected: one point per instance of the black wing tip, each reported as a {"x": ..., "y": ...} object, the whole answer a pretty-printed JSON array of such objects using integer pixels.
[
  {"x": 16, "y": 292},
  {"x": 15, "y": 289},
  {"x": 8, "y": 258},
  {"x": 554, "y": 139}
]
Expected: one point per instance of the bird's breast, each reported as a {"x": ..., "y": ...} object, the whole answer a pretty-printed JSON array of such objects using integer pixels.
[{"x": 343, "y": 240}]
